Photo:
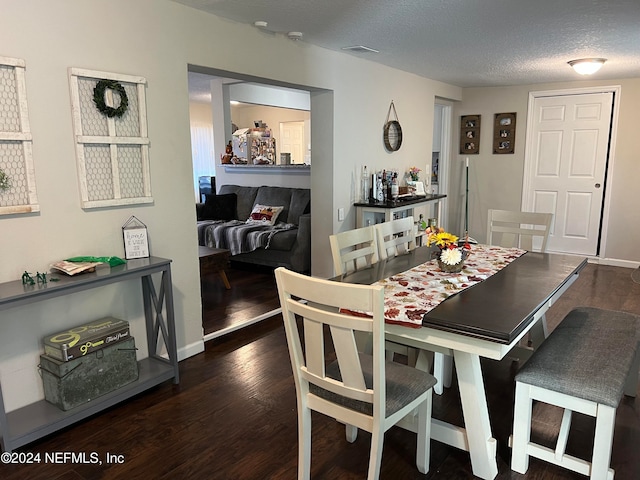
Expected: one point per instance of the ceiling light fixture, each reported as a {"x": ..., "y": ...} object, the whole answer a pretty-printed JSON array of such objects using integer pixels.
[
  {"x": 587, "y": 66},
  {"x": 260, "y": 24},
  {"x": 294, "y": 35}
]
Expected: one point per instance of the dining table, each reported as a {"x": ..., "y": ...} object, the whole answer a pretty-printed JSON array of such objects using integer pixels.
[{"x": 486, "y": 320}]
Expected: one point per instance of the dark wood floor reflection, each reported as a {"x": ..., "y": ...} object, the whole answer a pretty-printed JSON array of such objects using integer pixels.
[
  {"x": 252, "y": 293},
  {"x": 233, "y": 416}
]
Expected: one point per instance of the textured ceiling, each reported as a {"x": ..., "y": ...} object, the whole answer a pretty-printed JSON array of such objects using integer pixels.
[{"x": 469, "y": 43}]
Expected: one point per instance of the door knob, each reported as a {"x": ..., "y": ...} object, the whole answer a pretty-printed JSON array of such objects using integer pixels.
[{"x": 597, "y": 185}]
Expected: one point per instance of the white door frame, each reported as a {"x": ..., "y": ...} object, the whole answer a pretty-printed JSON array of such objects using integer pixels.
[
  {"x": 445, "y": 156},
  {"x": 528, "y": 163}
]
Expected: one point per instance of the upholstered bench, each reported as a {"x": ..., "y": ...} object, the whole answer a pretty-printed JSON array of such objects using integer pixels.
[{"x": 585, "y": 365}]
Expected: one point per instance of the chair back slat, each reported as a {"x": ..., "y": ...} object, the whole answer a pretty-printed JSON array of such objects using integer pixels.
[
  {"x": 526, "y": 230},
  {"x": 314, "y": 347},
  {"x": 396, "y": 237},
  {"x": 344, "y": 343},
  {"x": 337, "y": 387}
]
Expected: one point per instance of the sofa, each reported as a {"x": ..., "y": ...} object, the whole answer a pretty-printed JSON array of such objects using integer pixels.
[{"x": 269, "y": 226}]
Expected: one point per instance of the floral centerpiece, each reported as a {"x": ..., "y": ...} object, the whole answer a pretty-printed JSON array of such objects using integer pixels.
[
  {"x": 451, "y": 256},
  {"x": 414, "y": 173}
]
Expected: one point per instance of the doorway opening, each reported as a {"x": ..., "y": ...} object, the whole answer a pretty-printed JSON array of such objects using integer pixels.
[{"x": 317, "y": 125}]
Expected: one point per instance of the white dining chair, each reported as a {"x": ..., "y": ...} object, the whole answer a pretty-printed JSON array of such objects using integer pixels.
[
  {"x": 351, "y": 251},
  {"x": 519, "y": 229},
  {"x": 396, "y": 237},
  {"x": 354, "y": 249},
  {"x": 359, "y": 390}
]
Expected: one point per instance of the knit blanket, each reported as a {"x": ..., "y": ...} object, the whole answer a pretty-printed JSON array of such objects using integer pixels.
[
  {"x": 238, "y": 237},
  {"x": 409, "y": 295}
]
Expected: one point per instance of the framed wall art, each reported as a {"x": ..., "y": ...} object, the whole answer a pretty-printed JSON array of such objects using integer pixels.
[
  {"x": 470, "y": 134},
  {"x": 112, "y": 144},
  {"x": 504, "y": 133},
  {"x": 17, "y": 174}
]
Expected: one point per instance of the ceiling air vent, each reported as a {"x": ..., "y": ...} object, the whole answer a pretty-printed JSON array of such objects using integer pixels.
[{"x": 360, "y": 49}]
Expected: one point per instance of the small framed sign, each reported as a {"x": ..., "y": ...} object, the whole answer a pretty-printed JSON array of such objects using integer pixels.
[{"x": 136, "y": 241}]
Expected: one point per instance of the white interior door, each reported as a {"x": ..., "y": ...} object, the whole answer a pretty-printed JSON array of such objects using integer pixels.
[
  {"x": 565, "y": 166},
  {"x": 292, "y": 140}
]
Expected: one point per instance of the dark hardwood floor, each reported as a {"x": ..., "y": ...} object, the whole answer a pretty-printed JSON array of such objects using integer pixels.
[
  {"x": 252, "y": 293},
  {"x": 233, "y": 416}
]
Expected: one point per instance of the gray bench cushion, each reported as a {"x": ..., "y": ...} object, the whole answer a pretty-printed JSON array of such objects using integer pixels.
[{"x": 587, "y": 356}]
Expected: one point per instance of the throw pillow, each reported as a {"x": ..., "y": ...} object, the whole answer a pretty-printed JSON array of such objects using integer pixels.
[
  {"x": 220, "y": 207},
  {"x": 264, "y": 214}
]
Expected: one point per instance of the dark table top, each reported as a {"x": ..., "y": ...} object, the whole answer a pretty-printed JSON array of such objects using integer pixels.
[{"x": 497, "y": 309}]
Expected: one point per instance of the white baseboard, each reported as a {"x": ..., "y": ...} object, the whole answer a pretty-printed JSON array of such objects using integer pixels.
[
  {"x": 191, "y": 350},
  {"x": 238, "y": 326},
  {"x": 614, "y": 262},
  {"x": 198, "y": 347}
]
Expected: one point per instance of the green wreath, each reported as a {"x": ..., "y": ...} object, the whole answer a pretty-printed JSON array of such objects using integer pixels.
[
  {"x": 5, "y": 181},
  {"x": 98, "y": 98}
]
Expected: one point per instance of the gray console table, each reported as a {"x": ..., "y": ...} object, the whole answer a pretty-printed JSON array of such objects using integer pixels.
[{"x": 41, "y": 418}]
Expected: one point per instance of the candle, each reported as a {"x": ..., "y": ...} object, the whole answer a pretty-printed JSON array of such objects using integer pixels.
[{"x": 467, "y": 160}]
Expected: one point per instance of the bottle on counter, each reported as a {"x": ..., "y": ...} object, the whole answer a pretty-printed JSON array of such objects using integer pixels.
[
  {"x": 384, "y": 186},
  {"x": 421, "y": 223},
  {"x": 395, "y": 189},
  {"x": 379, "y": 190},
  {"x": 365, "y": 185}
]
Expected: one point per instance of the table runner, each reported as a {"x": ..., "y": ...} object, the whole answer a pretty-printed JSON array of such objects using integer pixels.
[{"x": 411, "y": 294}]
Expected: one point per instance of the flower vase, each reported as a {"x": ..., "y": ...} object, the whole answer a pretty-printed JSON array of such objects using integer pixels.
[
  {"x": 451, "y": 268},
  {"x": 445, "y": 267}
]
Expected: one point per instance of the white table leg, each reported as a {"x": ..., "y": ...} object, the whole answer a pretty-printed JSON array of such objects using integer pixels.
[{"x": 482, "y": 446}]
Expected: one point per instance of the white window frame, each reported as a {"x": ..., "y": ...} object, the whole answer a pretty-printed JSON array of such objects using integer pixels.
[
  {"x": 25, "y": 138},
  {"x": 111, "y": 139}
]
